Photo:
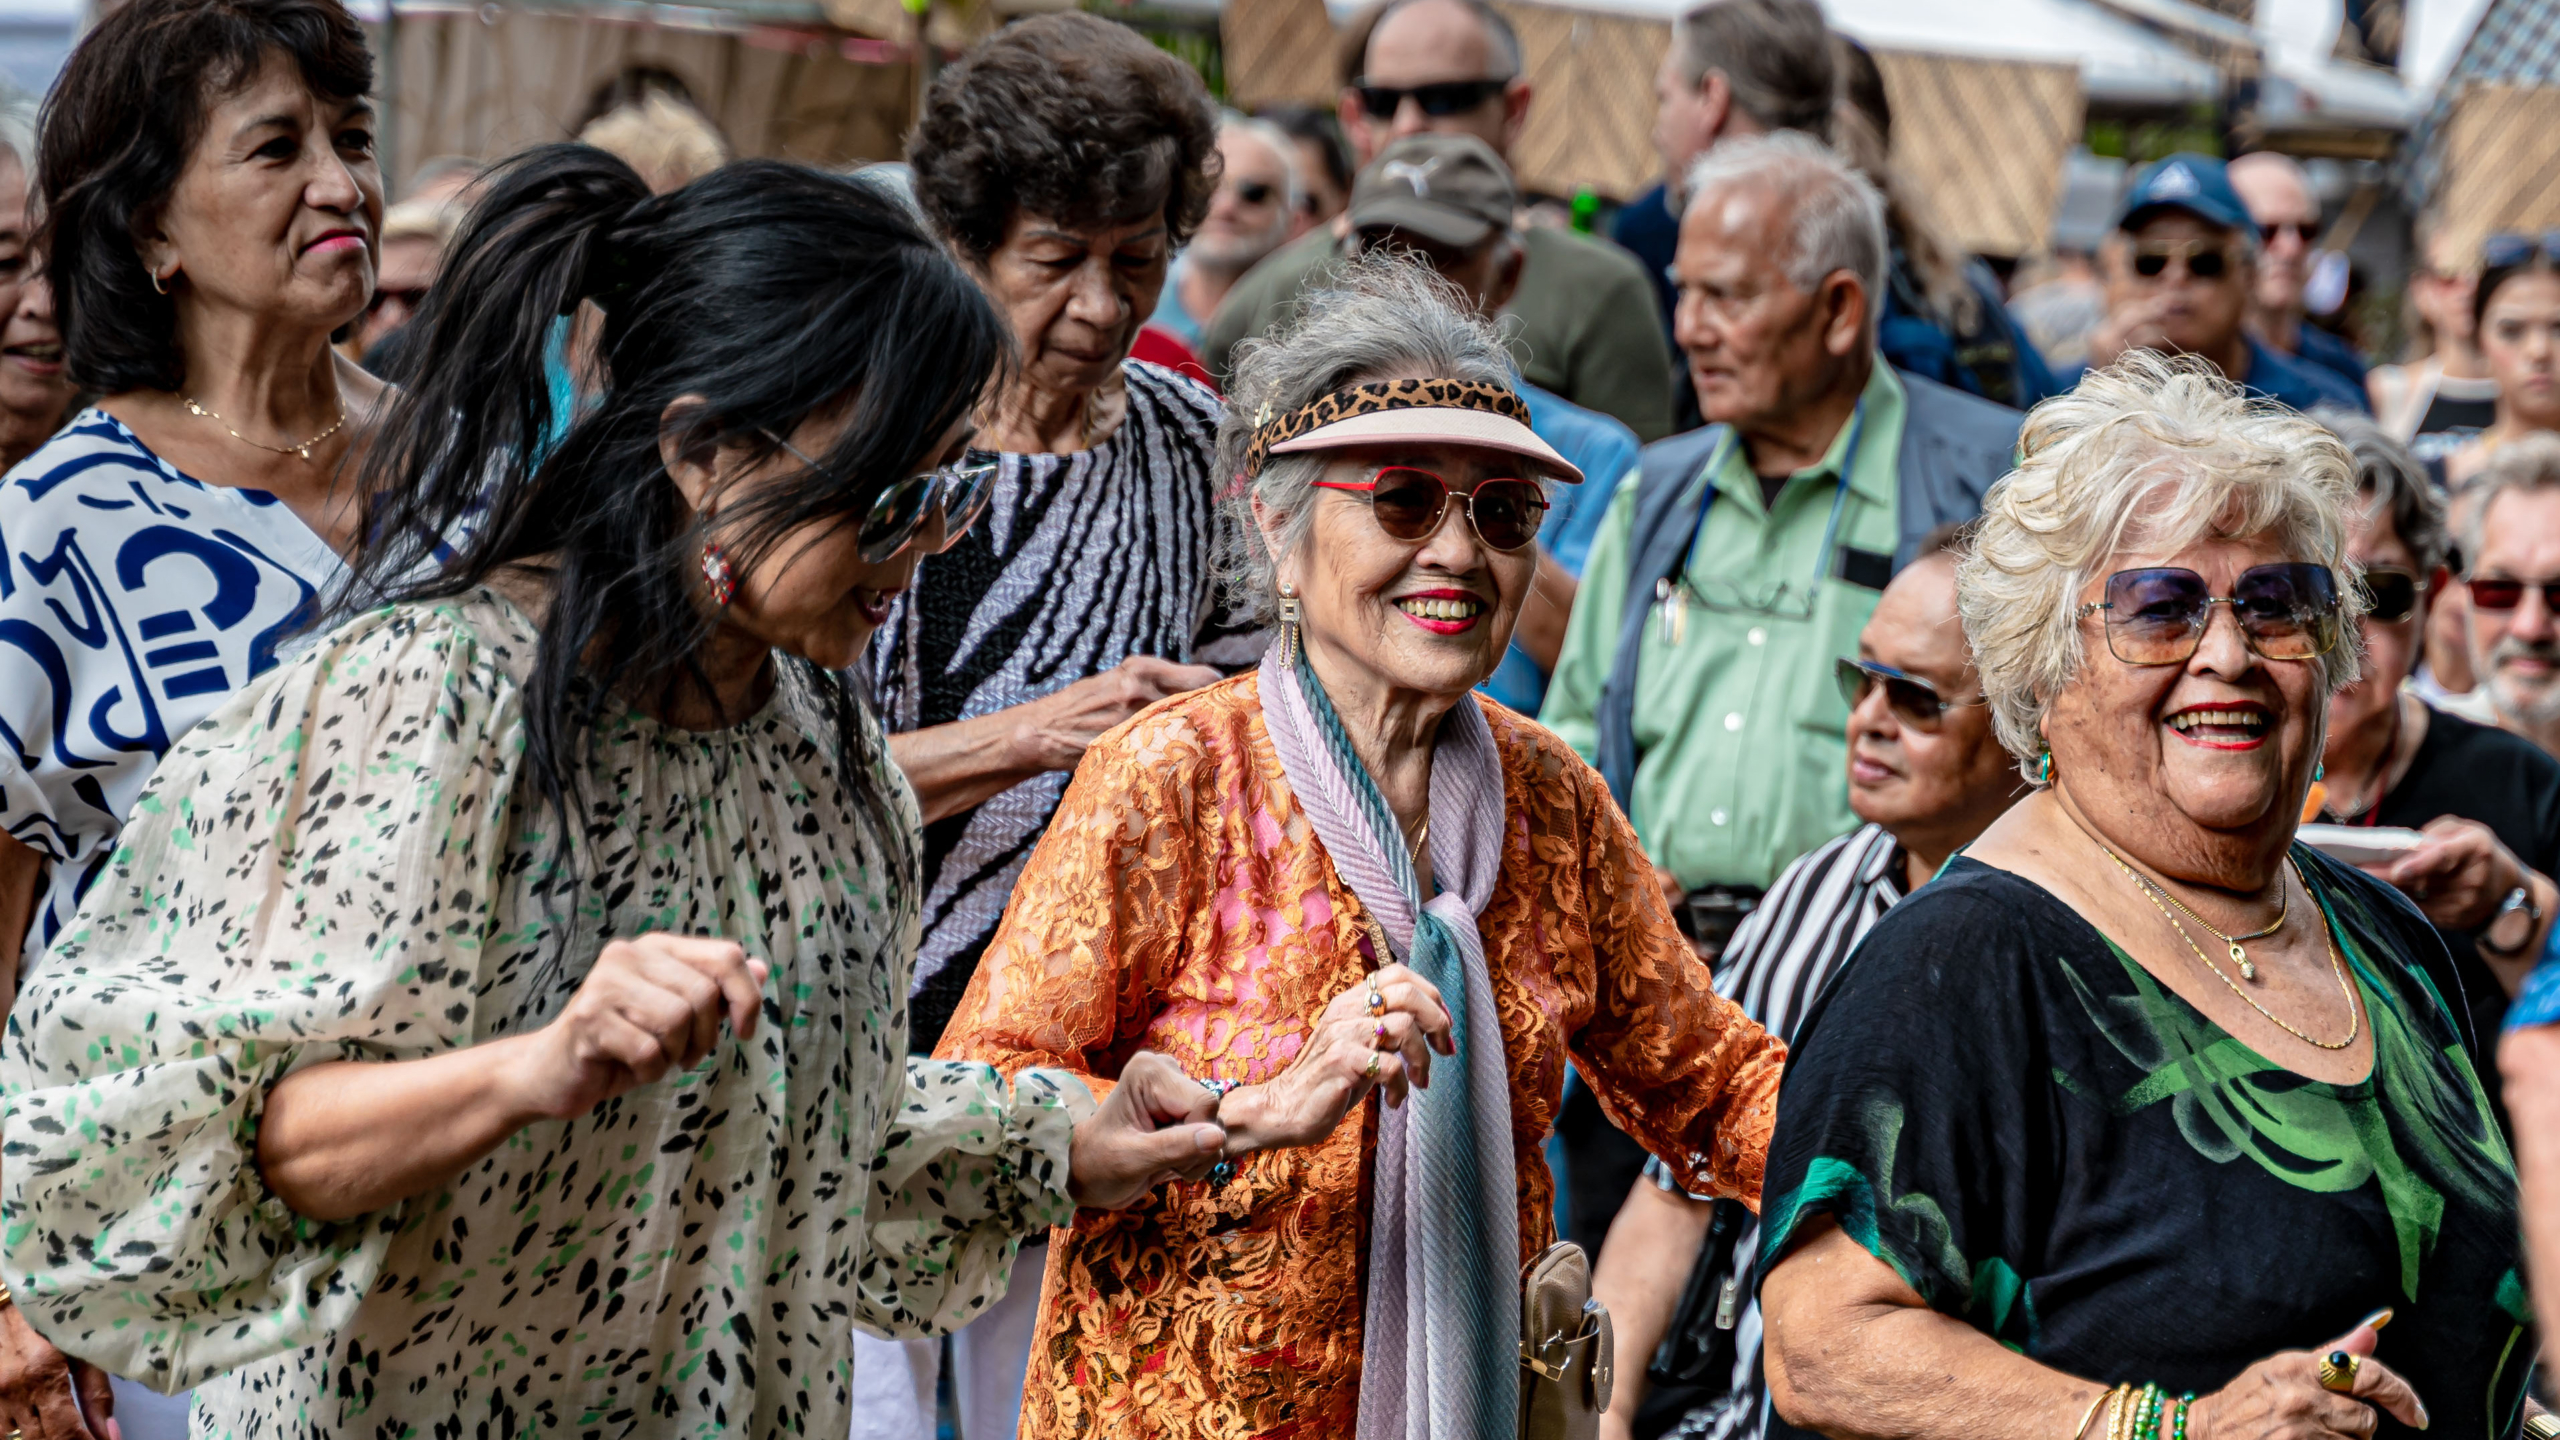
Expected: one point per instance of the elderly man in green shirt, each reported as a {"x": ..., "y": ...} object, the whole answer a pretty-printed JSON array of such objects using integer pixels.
[{"x": 1741, "y": 560}]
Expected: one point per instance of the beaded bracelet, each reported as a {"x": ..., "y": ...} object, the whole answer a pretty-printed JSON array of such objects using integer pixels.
[{"x": 1225, "y": 1170}]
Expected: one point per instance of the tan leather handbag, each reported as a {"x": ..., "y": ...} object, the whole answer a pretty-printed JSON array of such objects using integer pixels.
[{"x": 1565, "y": 1348}]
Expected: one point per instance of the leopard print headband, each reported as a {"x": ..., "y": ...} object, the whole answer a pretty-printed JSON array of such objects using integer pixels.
[{"x": 1270, "y": 430}]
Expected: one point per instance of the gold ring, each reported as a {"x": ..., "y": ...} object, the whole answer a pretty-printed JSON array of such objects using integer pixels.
[
  {"x": 1376, "y": 1058},
  {"x": 1382, "y": 1034},
  {"x": 2338, "y": 1371},
  {"x": 1377, "y": 1002}
]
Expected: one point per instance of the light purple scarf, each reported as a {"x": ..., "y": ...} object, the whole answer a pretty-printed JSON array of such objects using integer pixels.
[{"x": 1439, "y": 1352}]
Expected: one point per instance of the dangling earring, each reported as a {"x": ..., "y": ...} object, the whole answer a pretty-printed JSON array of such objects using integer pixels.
[
  {"x": 2044, "y": 769},
  {"x": 157, "y": 281},
  {"x": 1289, "y": 616},
  {"x": 716, "y": 573},
  {"x": 2319, "y": 771}
]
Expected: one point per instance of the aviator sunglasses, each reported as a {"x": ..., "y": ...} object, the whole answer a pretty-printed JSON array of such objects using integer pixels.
[
  {"x": 1914, "y": 701},
  {"x": 2158, "y": 617},
  {"x": 2204, "y": 262},
  {"x": 960, "y": 490},
  {"x": 1409, "y": 504}
]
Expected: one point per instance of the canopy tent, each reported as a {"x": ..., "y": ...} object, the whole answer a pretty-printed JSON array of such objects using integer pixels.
[{"x": 2481, "y": 159}]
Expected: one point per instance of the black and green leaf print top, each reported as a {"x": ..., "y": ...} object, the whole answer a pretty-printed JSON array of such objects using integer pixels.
[
  {"x": 340, "y": 864},
  {"x": 2049, "y": 1145}
]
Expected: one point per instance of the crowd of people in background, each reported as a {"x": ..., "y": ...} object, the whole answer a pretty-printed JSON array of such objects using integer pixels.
[{"x": 1088, "y": 782}]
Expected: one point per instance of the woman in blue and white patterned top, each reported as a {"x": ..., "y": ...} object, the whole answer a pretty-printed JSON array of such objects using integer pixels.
[{"x": 211, "y": 203}]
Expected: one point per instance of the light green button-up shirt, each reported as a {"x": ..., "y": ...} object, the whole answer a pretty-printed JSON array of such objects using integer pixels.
[{"x": 1741, "y": 728}]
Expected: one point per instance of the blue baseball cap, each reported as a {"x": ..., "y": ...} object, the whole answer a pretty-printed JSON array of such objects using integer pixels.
[{"x": 2197, "y": 184}]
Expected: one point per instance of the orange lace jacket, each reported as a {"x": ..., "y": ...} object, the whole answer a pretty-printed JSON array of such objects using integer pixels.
[{"x": 1180, "y": 902}]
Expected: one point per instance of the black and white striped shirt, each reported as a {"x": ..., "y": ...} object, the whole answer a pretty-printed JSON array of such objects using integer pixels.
[{"x": 1779, "y": 958}]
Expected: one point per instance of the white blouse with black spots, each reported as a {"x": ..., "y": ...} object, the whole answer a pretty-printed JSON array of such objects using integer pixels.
[{"x": 342, "y": 863}]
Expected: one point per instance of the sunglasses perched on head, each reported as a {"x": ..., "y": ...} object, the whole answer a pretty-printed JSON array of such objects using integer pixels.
[
  {"x": 2204, "y": 262},
  {"x": 2515, "y": 248},
  {"x": 1914, "y": 701},
  {"x": 2391, "y": 593},
  {"x": 2159, "y": 616},
  {"x": 2493, "y": 593},
  {"x": 1449, "y": 97},
  {"x": 1410, "y": 503},
  {"x": 960, "y": 491}
]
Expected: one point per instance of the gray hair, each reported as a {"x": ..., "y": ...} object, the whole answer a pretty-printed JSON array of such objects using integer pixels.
[
  {"x": 1835, "y": 215},
  {"x": 18, "y": 121},
  {"x": 2156, "y": 453},
  {"x": 1775, "y": 57},
  {"x": 1278, "y": 142},
  {"x": 2530, "y": 465},
  {"x": 1381, "y": 317},
  {"x": 2394, "y": 483}
]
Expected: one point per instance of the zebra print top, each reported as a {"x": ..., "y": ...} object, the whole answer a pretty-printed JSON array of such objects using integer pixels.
[{"x": 1080, "y": 562}]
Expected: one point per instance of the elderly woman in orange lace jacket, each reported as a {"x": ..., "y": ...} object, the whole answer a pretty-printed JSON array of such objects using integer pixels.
[{"x": 1191, "y": 897}]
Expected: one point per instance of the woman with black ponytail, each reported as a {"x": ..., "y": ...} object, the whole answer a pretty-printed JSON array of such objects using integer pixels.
[{"x": 413, "y": 969}]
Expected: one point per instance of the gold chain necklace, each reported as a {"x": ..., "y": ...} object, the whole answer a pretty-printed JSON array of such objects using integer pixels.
[
  {"x": 2355, "y": 1013},
  {"x": 1421, "y": 842},
  {"x": 303, "y": 449},
  {"x": 2239, "y": 957}
]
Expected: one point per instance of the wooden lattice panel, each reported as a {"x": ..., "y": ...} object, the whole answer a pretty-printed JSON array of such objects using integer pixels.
[
  {"x": 1278, "y": 52},
  {"x": 1591, "y": 118},
  {"x": 2501, "y": 169},
  {"x": 1983, "y": 141}
]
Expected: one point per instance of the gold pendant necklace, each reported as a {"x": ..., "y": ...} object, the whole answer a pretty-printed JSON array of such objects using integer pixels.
[
  {"x": 303, "y": 449},
  {"x": 2239, "y": 957},
  {"x": 2355, "y": 1013}
]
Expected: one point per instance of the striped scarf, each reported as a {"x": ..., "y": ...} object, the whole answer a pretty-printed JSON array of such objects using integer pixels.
[{"x": 1439, "y": 1352}]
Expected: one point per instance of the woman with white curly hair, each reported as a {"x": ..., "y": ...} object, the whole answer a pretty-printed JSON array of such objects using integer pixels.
[{"x": 2143, "y": 1119}]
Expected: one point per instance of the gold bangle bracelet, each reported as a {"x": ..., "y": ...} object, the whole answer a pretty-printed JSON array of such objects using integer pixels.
[
  {"x": 2088, "y": 1415},
  {"x": 2115, "y": 1413}
]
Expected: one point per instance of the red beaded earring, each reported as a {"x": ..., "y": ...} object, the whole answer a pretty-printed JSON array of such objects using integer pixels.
[{"x": 716, "y": 573}]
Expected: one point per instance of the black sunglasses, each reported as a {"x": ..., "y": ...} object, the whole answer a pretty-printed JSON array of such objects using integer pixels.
[
  {"x": 2515, "y": 248},
  {"x": 1254, "y": 192},
  {"x": 1409, "y": 505},
  {"x": 959, "y": 490},
  {"x": 2391, "y": 594},
  {"x": 1914, "y": 701},
  {"x": 411, "y": 299},
  {"x": 2503, "y": 594},
  {"x": 1440, "y": 101},
  {"x": 2305, "y": 231},
  {"x": 2159, "y": 616},
  {"x": 2203, "y": 262}
]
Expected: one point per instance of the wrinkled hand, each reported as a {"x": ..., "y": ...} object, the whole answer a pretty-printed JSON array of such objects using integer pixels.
[
  {"x": 649, "y": 1006},
  {"x": 1157, "y": 1124},
  {"x": 2132, "y": 325},
  {"x": 1331, "y": 1073},
  {"x": 2458, "y": 876},
  {"x": 2280, "y": 1398},
  {"x": 1056, "y": 729},
  {"x": 37, "y": 1384}
]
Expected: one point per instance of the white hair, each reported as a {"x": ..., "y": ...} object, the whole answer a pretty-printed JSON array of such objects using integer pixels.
[
  {"x": 2154, "y": 454},
  {"x": 18, "y": 120},
  {"x": 2525, "y": 466},
  {"x": 1835, "y": 215},
  {"x": 1278, "y": 142}
]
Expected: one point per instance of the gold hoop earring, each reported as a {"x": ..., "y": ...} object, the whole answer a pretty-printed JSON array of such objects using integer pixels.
[{"x": 1290, "y": 614}]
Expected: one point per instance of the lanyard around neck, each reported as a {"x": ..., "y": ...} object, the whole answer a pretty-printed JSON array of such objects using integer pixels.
[{"x": 1839, "y": 497}]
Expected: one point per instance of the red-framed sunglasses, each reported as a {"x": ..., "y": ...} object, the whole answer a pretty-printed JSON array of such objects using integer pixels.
[{"x": 1410, "y": 503}]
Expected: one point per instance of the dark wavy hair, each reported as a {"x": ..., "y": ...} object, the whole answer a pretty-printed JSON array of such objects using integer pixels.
[
  {"x": 773, "y": 292},
  {"x": 1066, "y": 116},
  {"x": 118, "y": 128}
]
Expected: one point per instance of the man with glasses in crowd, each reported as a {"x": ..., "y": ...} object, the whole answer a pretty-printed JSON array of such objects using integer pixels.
[
  {"x": 1926, "y": 775},
  {"x": 2180, "y": 270},
  {"x": 1253, "y": 212},
  {"x": 1745, "y": 557},
  {"x": 2512, "y": 541},
  {"x": 1583, "y": 306},
  {"x": 2282, "y": 204}
]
